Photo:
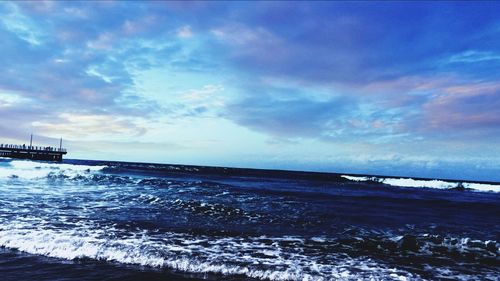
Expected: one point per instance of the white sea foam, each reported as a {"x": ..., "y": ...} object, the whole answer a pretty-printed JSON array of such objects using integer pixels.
[
  {"x": 438, "y": 184},
  {"x": 36, "y": 170},
  {"x": 193, "y": 254},
  {"x": 352, "y": 178}
]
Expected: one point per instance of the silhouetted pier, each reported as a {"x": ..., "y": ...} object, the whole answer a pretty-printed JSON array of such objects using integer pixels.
[{"x": 46, "y": 153}]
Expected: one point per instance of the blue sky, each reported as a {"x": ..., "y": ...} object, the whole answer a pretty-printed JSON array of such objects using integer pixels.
[{"x": 363, "y": 87}]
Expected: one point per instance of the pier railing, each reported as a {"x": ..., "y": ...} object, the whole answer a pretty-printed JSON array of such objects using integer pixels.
[{"x": 32, "y": 148}]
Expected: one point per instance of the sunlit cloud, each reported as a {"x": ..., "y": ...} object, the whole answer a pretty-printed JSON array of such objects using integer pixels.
[
  {"x": 9, "y": 99},
  {"x": 77, "y": 126}
]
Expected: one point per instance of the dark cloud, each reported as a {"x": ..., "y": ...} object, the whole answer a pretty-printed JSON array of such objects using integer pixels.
[
  {"x": 292, "y": 118},
  {"x": 353, "y": 43},
  {"x": 349, "y": 48},
  {"x": 286, "y": 113}
]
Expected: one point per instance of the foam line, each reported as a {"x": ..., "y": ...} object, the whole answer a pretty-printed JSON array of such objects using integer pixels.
[
  {"x": 221, "y": 256},
  {"x": 438, "y": 184}
]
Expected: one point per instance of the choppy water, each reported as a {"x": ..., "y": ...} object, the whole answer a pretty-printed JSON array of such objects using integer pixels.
[{"x": 85, "y": 220}]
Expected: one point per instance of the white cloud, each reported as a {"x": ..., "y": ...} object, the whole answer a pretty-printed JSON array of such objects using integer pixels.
[
  {"x": 76, "y": 12},
  {"x": 103, "y": 42},
  {"x": 92, "y": 71},
  {"x": 185, "y": 32},
  {"x": 207, "y": 92},
  {"x": 8, "y": 99},
  {"x": 474, "y": 56},
  {"x": 138, "y": 25},
  {"x": 89, "y": 126},
  {"x": 22, "y": 26},
  {"x": 242, "y": 35}
]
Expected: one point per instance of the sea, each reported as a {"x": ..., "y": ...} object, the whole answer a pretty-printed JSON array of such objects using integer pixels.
[{"x": 99, "y": 220}]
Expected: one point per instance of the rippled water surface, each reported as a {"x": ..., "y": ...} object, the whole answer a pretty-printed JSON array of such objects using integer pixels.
[{"x": 88, "y": 220}]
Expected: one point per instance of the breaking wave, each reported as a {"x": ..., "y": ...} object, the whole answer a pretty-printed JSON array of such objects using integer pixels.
[
  {"x": 438, "y": 184},
  {"x": 267, "y": 258},
  {"x": 37, "y": 170}
]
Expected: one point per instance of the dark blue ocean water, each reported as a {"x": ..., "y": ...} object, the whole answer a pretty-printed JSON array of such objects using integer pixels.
[{"x": 89, "y": 220}]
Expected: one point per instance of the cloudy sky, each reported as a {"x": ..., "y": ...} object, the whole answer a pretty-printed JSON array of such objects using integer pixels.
[{"x": 389, "y": 88}]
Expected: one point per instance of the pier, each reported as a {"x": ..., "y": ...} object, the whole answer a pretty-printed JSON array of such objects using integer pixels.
[{"x": 46, "y": 153}]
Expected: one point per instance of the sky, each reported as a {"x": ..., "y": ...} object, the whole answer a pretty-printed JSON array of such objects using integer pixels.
[{"x": 390, "y": 88}]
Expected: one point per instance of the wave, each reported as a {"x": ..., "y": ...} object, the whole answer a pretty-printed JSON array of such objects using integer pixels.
[
  {"x": 262, "y": 257},
  {"x": 31, "y": 170},
  {"x": 266, "y": 258},
  {"x": 446, "y": 247},
  {"x": 87, "y": 174},
  {"x": 438, "y": 184}
]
